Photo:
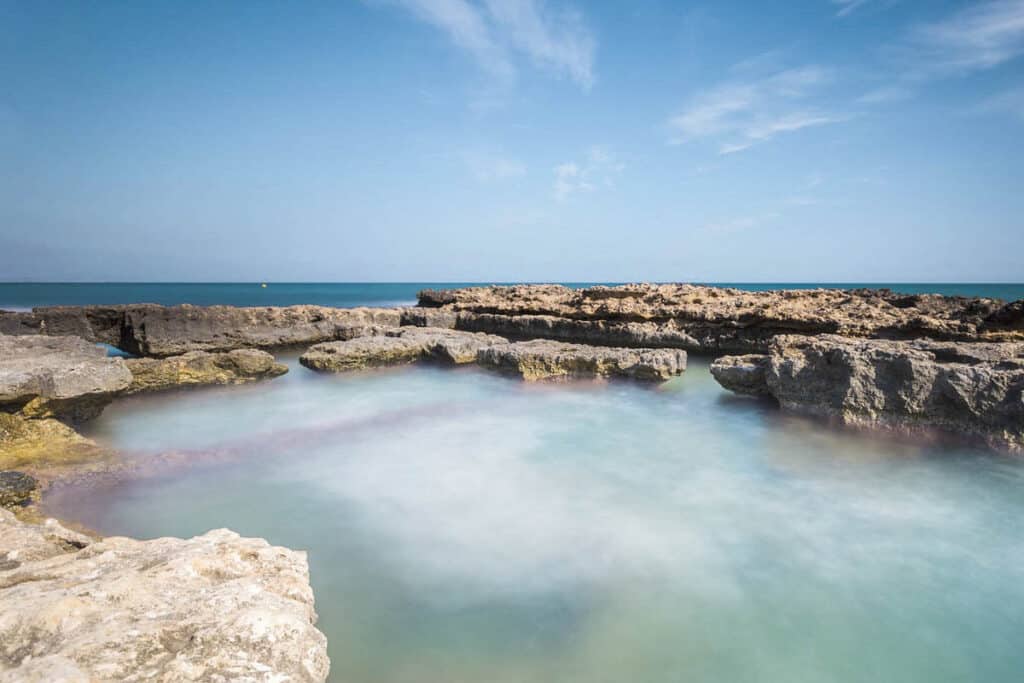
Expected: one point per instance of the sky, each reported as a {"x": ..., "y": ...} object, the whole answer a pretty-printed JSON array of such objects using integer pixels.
[{"x": 512, "y": 140}]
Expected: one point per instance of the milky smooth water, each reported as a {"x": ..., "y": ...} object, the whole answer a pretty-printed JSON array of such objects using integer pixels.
[{"x": 462, "y": 526}]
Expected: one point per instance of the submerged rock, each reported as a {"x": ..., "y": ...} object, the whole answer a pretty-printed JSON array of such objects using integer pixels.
[
  {"x": 717, "y": 319},
  {"x": 199, "y": 368},
  {"x": 397, "y": 347},
  {"x": 16, "y": 488},
  {"x": 973, "y": 390},
  {"x": 62, "y": 377},
  {"x": 216, "y": 607},
  {"x": 542, "y": 359}
]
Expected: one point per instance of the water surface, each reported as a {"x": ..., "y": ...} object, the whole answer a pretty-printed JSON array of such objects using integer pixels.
[
  {"x": 25, "y": 295},
  {"x": 466, "y": 527}
]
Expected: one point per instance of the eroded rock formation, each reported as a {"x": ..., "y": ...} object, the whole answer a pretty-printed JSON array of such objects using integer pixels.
[
  {"x": 397, "y": 347},
  {"x": 216, "y": 607},
  {"x": 199, "y": 368},
  {"x": 532, "y": 360},
  {"x": 153, "y": 330},
  {"x": 61, "y": 377},
  {"x": 543, "y": 359},
  {"x": 968, "y": 389},
  {"x": 716, "y": 319}
]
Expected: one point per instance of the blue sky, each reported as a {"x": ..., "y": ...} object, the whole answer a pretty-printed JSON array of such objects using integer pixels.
[{"x": 828, "y": 140}]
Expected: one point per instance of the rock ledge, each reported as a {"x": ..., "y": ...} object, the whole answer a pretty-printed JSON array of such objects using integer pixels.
[
  {"x": 216, "y": 607},
  {"x": 973, "y": 390}
]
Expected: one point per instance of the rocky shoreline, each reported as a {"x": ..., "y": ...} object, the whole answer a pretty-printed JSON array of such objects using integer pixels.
[
  {"x": 972, "y": 390},
  {"x": 920, "y": 364}
]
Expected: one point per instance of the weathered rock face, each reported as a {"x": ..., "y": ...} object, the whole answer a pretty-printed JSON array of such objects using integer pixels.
[
  {"x": 152, "y": 330},
  {"x": 543, "y": 360},
  {"x": 715, "y": 319},
  {"x": 43, "y": 443},
  {"x": 974, "y": 390},
  {"x": 64, "y": 377},
  {"x": 742, "y": 374},
  {"x": 199, "y": 368},
  {"x": 16, "y": 488},
  {"x": 397, "y": 347},
  {"x": 533, "y": 360},
  {"x": 217, "y": 607}
]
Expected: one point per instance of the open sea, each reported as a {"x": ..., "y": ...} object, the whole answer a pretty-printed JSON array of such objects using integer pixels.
[
  {"x": 25, "y": 295},
  {"x": 464, "y": 527}
]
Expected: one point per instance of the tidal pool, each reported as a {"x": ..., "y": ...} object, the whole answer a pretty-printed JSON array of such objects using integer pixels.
[{"x": 464, "y": 527}]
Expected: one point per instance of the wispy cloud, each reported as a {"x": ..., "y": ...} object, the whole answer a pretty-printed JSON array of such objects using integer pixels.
[
  {"x": 599, "y": 169},
  {"x": 494, "y": 32},
  {"x": 847, "y": 7},
  {"x": 741, "y": 114},
  {"x": 978, "y": 37}
]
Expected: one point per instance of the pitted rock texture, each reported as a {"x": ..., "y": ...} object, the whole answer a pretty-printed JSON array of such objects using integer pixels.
[
  {"x": 216, "y": 607},
  {"x": 199, "y": 368},
  {"x": 546, "y": 360},
  {"x": 153, "y": 330},
  {"x": 42, "y": 443},
  {"x": 16, "y": 488},
  {"x": 62, "y": 377},
  {"x": 742, "y": 374},
  {"x": 397, "y": 347},
  {"x": 973, "y": 390},
  {"x": 717, "y": 319}
]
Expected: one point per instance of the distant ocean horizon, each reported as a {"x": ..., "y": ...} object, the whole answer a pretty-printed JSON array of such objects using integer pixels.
[{"x": 26, "y": 295}]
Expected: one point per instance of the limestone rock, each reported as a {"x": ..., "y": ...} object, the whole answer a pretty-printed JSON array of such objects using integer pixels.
[
  {"x": 542, "y": 359},
  {"x": 428, "y": 317},
  {"x": 153, "y": 330},
  {"x": 216, "y": 607},
  {"x": 16, "y": 488},
  {"x": 742, "y": 374},
  {"x": 199, "y": 368},
  {"x": 64, "y": 377},
  {"x": 47, "y": 443},
  {"x": 973, "y": 390},
  {"x": 719, "y": 319},
  {"x": 361, "y": 353},
  {"x": 396, "y": 347}
]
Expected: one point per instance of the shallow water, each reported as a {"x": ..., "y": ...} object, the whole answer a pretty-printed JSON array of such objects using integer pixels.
[{"x": 466, "y": 527}]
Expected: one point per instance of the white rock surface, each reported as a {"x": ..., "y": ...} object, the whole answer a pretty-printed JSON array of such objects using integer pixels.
[{"x": 216, "y": 607}]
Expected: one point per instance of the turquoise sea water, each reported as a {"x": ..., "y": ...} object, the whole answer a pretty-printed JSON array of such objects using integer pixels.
[
  {"x": 464, "y": 527},
  {"x": 27, "y": 295}
]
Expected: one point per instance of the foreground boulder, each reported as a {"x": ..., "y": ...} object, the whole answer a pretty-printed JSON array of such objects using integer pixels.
[
  {"x": 153, "y": 330},
  {"x": 199, "y": 368},
  {"x": 718, "y": 319},
  {"x": 63, "y": 377},
  {"x": 398, "y": 347},
  {"x": 972, "y": 390},
  {"x": 216, "y": 607},
  {"x": 544, "y": 360}
]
